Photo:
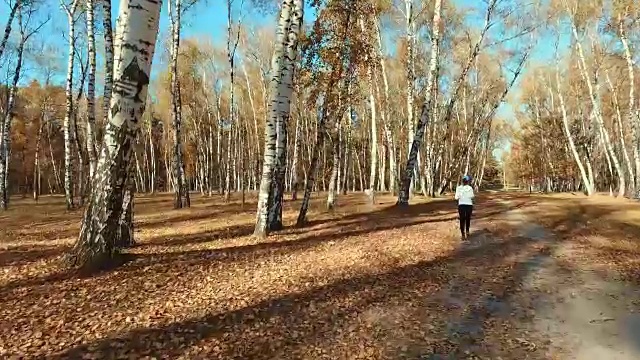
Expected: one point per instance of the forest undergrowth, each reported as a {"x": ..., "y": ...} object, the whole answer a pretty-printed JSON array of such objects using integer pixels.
[{"x": 363, "y": 281}]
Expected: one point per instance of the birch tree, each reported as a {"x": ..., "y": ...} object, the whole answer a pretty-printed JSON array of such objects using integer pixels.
[
  {"x": 25, "y": 14},
  {"x": 7, "y": 28},
  {"x": 136, "y": 33},
  {"x": 71, "y": 11},
  {"x": 108, "y": 58},
  {"x": 403, "y": 196},
  {"x": 91, "y": 88},
  {"x": 281, "y": 88},
  {"x": 232, "y": 45},
  {"x": 181, "y": 192}
]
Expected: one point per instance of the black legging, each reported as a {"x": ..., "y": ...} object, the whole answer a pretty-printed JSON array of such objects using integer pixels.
[{"x": 465, "y": 212}]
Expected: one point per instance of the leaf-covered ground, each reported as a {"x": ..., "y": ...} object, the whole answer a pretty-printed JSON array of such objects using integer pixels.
[{"x": 364, "y": 282}]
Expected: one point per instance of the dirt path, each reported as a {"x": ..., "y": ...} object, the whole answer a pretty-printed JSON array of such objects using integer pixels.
[{"x": 581, "y": 314}]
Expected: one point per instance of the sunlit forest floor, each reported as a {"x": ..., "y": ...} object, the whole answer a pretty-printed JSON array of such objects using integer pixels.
[{"x": 541, "y": 277}]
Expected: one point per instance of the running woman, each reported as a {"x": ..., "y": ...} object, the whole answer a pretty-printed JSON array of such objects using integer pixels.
[{"x": 464, "y": 195}]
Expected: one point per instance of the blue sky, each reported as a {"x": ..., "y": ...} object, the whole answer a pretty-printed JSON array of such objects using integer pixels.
[{"x": 208, "y": 19}]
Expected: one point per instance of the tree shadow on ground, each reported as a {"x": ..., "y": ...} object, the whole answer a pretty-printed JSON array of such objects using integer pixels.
[
  {"x": 386, "y": 218},
  {"x": 288, "y": 242},
  {"x": 223, "y": 233},
  {"x": 450, "y": 305},
  {"x": 24, "y": 254}
]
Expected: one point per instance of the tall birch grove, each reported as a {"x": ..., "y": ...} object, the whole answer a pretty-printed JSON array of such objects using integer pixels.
[
  {"x": 327, "y": 97},
  {"x": 286, "y": 179}
]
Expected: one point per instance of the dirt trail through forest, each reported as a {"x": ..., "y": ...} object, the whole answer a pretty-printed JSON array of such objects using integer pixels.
[{"x": 581, "y": 314}]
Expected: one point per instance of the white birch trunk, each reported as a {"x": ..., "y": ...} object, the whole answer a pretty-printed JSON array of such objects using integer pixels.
[
  {"x": 409, "y": 71},
  {"x": 108, "y": 61},
  {"x": 5, "y": 136},
  {"x": 181, "y": 192},
  {"x": 68, "y": 162},
  {"x": 572, "y": 146},
  {"x": 91, "y": 89},
  {"x": 281, "y": 87},
  {"x": 373, "y": 150},
  {"x": 286, "y": 91},
  {"x": 597, "y": 113},
  {"x": 634, "y": 117},
  {"x": 621, "y": 135},
  {"x": 134, "y": 47},
  {"x": 385, "y": 114}
]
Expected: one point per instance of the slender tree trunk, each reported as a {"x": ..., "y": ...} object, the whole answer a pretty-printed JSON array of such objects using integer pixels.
[
  {"x": 219, "y": 146},
  {"x": 7, "y": 28},
  {"x": 328, "y": 102},
  {"x": 253, "y": 107},
  {"x": 374, "y": 141},
  {"x": 403, "y": 196},
  {"x": 91, "y": 89},
  {"x": 181, "y": 195},
  {"x": 83, "y": 161},
  {"x": 359, "y": 166},
  {"x": 311, "y": 173},
  {"x": 621, "y": 135},
  {"x": 211, "y": 172},
  {"x": 567, "y": 133},
  {"x": 409, "y": 71},
  {"x": 384, "y": 114},
  {"x": 54, "y": 166},
  {"x": 633, "y": 115},
  {"x": 108, "y": 61},
  {"x": 5, "y": 138},
  {"x": 152, "y": 157},
  {"x": 135, "y": 44},
  {"x": 37, "y": 174},
  {"x": 335, "y": 164},
  {"x": 593, "y": 93},
  {"x": 68, "y": 162},
  {"x": 347, "y": 154},
  {"x": 294, "y": 164},
  {"x": 227, "y": 178}
]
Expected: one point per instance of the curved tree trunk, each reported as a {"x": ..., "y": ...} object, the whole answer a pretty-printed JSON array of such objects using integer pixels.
[
  {"x": 7, "y": 28},
  {"x": 567, "y": 132},
  {"x": 621, "y": 135},
  {"x": 135, "y": 44},
  {"x": 403, "y": 196},
  {"x": 597, "y": 113}
]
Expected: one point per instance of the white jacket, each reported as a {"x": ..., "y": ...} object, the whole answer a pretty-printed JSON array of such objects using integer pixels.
[{"x": 464, "y": 195}]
